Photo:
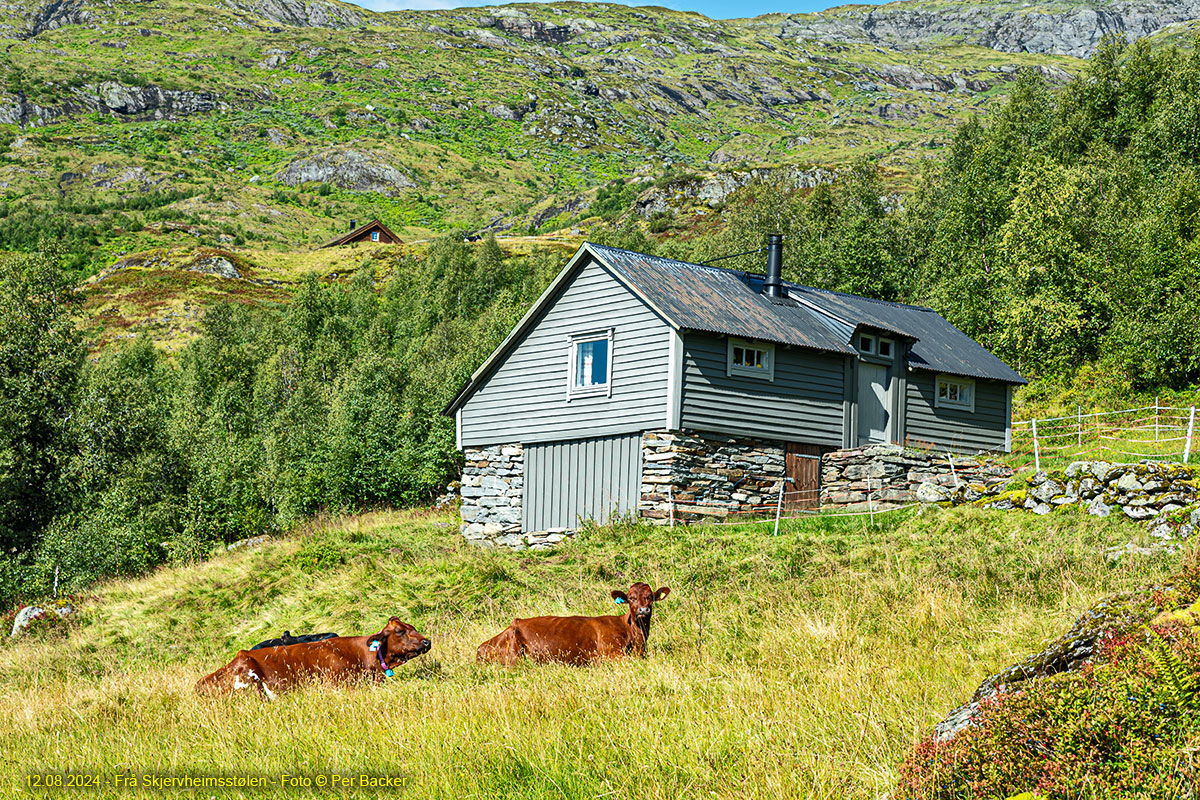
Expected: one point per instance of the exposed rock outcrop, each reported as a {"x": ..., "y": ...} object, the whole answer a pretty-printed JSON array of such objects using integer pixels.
[
  {"x": 110, "y": 97},
  {"x": 1073, "y": 29},
  {"x": 714, "y": 190},
  {"x": 353, "y": 170},
  {"x": 302, "y": 13}
]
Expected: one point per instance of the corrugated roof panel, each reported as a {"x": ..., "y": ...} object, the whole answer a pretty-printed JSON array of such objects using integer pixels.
[{"x": 713, "y": 300}]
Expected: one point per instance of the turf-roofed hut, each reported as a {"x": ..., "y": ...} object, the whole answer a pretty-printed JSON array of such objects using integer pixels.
[
  {"x": 373, "y": 231},
  {"x": 635, "y": 382}
]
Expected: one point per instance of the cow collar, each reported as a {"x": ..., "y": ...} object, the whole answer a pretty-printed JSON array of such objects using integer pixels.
[{"x": 375, "y": 648}]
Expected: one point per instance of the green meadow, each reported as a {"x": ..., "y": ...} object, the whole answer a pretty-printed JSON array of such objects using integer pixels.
[{"x": 801, "y": 665}]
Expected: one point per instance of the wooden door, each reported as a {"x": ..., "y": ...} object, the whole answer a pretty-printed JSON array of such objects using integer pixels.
[{"x": 803, "y": 465}]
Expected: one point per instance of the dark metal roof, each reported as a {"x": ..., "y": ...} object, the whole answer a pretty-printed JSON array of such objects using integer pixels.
[
  {"x": 716, "y": 300},
  {"x": 939, "y": 346}
]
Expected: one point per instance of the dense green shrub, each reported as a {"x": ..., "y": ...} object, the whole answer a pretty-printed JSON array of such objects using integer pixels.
[{"x": 1123, "y": 727}]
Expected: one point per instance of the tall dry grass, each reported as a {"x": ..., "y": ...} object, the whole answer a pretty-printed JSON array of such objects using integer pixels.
[{"x": 801, "y": 666}]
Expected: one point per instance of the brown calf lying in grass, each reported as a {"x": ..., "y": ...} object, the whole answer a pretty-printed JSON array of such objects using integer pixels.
[
  {"x": 337, "y": 660},
  {"x": 578, "y": 640}
]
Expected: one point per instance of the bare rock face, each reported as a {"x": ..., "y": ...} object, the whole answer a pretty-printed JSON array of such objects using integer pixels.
[
  {"x": 302, "y": 13},
  {"x": 1073, "y": 29},
  {"x": 57, "y": 14},
  {"x": 353, "y": 170},
  {"x": 112, "y": 98}
]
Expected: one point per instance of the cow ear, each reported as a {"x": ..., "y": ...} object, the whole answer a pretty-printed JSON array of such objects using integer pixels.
[
  {"x": 662, "y": 593},
  {"x": 395, "y": 622},
  {"x": 619, "y": 597}
]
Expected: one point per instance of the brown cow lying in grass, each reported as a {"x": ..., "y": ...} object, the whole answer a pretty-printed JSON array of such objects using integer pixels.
[
  {"x": 578, "y": 640},
  {"x": 337, "y": 660}
]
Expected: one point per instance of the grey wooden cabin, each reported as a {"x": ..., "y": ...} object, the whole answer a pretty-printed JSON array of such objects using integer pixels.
[{"x": 622, "y": 344}]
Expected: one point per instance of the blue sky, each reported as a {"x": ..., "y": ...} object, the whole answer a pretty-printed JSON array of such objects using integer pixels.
[{"x": 717, "y": 9}]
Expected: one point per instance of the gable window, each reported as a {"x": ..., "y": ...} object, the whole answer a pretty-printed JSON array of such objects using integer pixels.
[
  {"x": 591, "y": 364},
  {"x": 954, "y": 392},
  {"x": 866, "y": 344},
  {"x": 753, "y": 359},
  {"x": 884, "y": 348},
  {"x": 374, "y": 236}
]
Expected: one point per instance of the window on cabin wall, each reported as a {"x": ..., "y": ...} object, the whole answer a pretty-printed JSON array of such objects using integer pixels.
[
  {"x": 955, "y": 392},
  {"x": 752, "y": 359},
  {"x": 374, "y": 236},
  {"x": 590, "y": 364}
]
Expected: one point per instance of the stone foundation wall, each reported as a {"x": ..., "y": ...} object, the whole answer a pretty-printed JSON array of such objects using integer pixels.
[
  {"x": 707, "y": 475},
  {"x": 892, "y": 474},
  {"x": 492, "y": 489},
  {"x": 492, "y": 483}
]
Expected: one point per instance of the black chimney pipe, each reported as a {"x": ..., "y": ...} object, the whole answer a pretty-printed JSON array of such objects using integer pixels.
[
  {"x": 773, "y": 285},
  {"x": 353, "y": 224}
]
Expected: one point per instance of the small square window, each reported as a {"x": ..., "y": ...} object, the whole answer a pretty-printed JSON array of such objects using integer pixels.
[
  {"x": 590, "y": 365},
  {"x": 885, "y": 348},
  {"x": 953, "y": 392},
  {"x": 755, "y": 359},
  {"x": 866, "y": 344},
  {"x": 374, "y": 236}
]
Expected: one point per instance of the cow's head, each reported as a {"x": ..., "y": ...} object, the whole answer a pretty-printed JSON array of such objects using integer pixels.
[
  {"x": 640, "y": 599},
  {"x": 399, "y": 642}
]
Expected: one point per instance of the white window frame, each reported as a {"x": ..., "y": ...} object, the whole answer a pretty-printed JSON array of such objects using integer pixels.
[
  {"x": 374, "y": 236},
  {"x": 967, "y": 383},
  {"x": 871, "y": 348},
  {"x": 597, "y": 390},
  {"x": 891, "y": 347},
  {"x": 732, "y": 369}
]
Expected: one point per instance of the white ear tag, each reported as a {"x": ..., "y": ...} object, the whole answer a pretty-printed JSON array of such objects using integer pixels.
[{"x": 374, "y": 646}]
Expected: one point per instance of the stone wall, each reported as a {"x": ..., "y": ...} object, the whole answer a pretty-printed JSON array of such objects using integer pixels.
[
  {"x": 492, "y": 490},
  {"x": 892, "y": 474},
  {"x": 492, "y": 482},
  {"x": 708, "y": 476}
]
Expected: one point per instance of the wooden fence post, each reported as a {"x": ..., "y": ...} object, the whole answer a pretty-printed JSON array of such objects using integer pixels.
[
  {"x": 1079, "y": 419},
  {"x": 1037, "y": 457},
  {"x": 953, "y": 473},
  {"x": 671, "y": 504},
  {"x": 1156, "y": 419}
]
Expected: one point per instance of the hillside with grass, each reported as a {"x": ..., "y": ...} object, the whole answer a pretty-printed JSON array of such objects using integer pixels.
[
  {"x": 800, "y": 665},
  {"x": 128, "y": 126}
]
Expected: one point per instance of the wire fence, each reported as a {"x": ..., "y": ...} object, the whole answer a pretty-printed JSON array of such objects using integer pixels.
[
  {"x": 788, "y": 504},
  {"x": 1157, "y": 432}
]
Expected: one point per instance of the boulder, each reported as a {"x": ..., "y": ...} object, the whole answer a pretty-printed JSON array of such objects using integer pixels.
[
  {"x": 1098, "y": 508},
  {"x": 1046, "y": 490},
  {"x": 27, "y": 615},
  {"x": 1129, "y": 483},
  {"x": 349, "y": 169},
  {"x": 932, "y": 493}
]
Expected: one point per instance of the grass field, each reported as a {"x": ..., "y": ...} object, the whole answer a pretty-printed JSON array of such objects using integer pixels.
[{"x": 803, "y": 665}]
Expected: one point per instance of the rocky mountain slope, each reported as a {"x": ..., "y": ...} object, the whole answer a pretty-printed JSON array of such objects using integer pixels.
[
  {"x": 1062, "y": 27},
  {"x": 127, "y": 124}
]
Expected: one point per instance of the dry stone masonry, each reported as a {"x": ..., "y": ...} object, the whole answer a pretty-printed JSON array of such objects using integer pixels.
[
  {"x": 891, "y": 475},
  {"x": 492, "y": 488},
  {"x": 707, "y": 476}
]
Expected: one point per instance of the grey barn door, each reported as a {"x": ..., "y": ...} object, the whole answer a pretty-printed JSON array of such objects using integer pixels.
[
  {"x": 874, "y": 404},
  {"x": 566, "y": 482}
]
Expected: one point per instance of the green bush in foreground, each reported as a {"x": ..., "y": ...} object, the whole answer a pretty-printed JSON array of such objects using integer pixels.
[{"x": 1127, "y": 726}]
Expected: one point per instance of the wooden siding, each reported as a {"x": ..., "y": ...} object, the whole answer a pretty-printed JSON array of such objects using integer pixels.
[
  {"x": 802, "y": 404},
  {"x": 525, "y": 398},
  {"x": 566, "y": 482},
  {"x": 956, "y": 429}
]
